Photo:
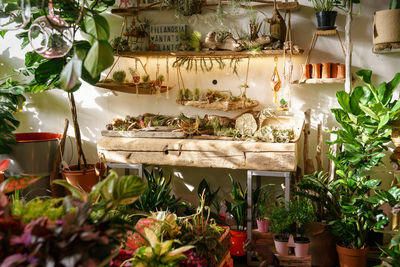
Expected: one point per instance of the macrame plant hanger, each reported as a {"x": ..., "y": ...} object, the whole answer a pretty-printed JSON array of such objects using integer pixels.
[{"x": 288, "y": 65}]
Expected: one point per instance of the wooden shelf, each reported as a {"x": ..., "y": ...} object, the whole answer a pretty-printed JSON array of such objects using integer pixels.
[
  {"x": 206, "y": 54},
  {"x": 131, "y": 11},
  {"x": 320, "y": 81},
  {"x": 130, "y": 88},
  {"x": 386, "y": 48}
]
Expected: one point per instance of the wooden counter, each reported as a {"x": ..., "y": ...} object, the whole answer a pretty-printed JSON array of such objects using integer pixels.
[{"x": 246, "y": 155}]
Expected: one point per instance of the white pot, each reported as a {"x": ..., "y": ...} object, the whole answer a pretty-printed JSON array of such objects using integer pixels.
[{"x": 386, "y": 26}]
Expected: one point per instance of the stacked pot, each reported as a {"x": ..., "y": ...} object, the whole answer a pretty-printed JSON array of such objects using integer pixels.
[{"x": 326, "y": 70}]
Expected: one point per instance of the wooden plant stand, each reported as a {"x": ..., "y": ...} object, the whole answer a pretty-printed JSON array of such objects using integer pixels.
[{"x": 294, "y": 261}]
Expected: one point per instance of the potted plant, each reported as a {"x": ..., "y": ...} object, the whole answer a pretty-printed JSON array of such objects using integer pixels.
[
  {"x": 386, "y": 24},
  {"x": 282, "y": 224},
  {"x": 303, "y": 212},
  {"x": 82, "y": 61},
  {"x": 326, "y": 16},
  {"x": 263, "y": 200},
  {"x": 237, "y": 207}
]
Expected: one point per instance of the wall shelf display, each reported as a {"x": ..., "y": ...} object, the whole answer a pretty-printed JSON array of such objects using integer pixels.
[
  {"x": 143, "y": 88},
  {"x": 225, "y": 105},
  {"x": 386, "y": 48},
  {"x": 321, "y": 81},
  {"x": 281, "y": 5},
  {"x": 207, "y": 54}
]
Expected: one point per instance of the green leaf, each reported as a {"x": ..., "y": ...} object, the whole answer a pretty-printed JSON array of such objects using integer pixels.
[
  {"x": 384, "y": 121},
  {"x": 48, "y": 70},
  {"x": 71, "y": 74},
  {"x": 368, "y": 111},
  {"x": 31, "y": 58},
  {"x": 3, "y": 33},
  {"x": 344, "y": 100},
  {"x": 97, "y": 26},
  {"x": 355, "y": 99},
  {"x": 75, "y": 191},
  {"x": 365, "y": 76},
  {"x": 373, "y": 183},
  {"x": 99, "y": 58}
]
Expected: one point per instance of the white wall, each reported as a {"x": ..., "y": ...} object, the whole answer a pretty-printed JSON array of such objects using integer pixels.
[{"x": 97, "y": 107}]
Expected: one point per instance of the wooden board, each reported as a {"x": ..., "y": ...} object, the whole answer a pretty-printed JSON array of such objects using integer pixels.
[
  {"x": 144, "y": 134},
  {"x": 207, "y": 54},
  {"x": 320, "y": 81},
  {"x": 386, "y": 48},
  {"x": 294, "y": 261},
  {"x": 200, "y": 153},
  {"x": 221, "y": 105},
  {"x": 130, "y": 88}
]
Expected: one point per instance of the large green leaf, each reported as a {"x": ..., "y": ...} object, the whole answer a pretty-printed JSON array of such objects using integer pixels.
[
  {"x": 48, "y": 70},
  {"x": 31, "y": 58},
  {"x": 97, "y": 26},
  {"x": 356, "y": 98},
  {"x": 71, "y": 73},
  {"x": 369, "y": 111},
  {"x": 365, "y": 76},
  {"x": 386, "y": 95},
  {"x": 344, "y": 100},
  {"x": 99, "y": 58}
]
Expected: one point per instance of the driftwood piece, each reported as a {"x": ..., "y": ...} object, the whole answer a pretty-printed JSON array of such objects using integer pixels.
[
  {"x": 144, "y": 134},
  {"x": 201, "y": 153},
  {"x": 320, "y": 143},
  {"x": 55, "y": 173},
  {"x": 334, "y": 150},
  {"x": 295, "y": 261},
  {"x": 308, "y": 163},
  {"x": 143, "y": 88},
  {"x": 228, "y": 43},
  {"x": 224, "y": 105}
]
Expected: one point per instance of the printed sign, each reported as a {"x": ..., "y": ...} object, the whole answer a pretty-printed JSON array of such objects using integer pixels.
[{"x": 166, "y": 37}]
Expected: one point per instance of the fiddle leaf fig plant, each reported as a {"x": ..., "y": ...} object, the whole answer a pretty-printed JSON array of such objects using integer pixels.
[{"x": 365, "y": 116}]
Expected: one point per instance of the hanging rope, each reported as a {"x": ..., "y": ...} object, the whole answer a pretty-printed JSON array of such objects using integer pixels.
[
  {"x": 167, "y": 70},
  {"x": 246, "y": 80}
]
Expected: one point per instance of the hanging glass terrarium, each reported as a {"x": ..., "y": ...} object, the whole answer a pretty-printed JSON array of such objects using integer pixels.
[
  {"x": 50, "y": 36},
  {"x": 14, "y": 14},
  {"x": 275, "y": 81}
]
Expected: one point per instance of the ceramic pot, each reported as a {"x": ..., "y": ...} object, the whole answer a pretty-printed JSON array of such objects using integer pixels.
[
  {"x": 263, "y": 225},
  {"x": 326, "y": 70},
  {"x": 334, "y": 70},
  {"x": 322, "y": 245},
  {"x": 281, "y": 245},
  {"x": 386, "y": 26},
  {"x": 301, "y": 246},
  {"x": 352, "y": 257},
  {"x": 326, "y": 20},
  {"x": 341, "y": 71},
  {"x": 306, "y": 71},
  {"x": 238, "y": 238},
  {"x": 316, "y": 70},
  {"x": 81, "y": 178}
]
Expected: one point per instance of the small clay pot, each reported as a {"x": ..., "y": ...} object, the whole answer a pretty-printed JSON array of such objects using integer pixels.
[
  {"x": 326, "y": 70},
  {"x": 305, "y": 71},
  {"x": 334, "y": 69},
  {"x": 263, "y": 225},
  {"x": 281, "y": 245},
  {"x": 301, "y": 246},
  {"x": 341, "y": 71},
  {"x": 85, "y": 179},
  {"x": 316, "y": 71}
]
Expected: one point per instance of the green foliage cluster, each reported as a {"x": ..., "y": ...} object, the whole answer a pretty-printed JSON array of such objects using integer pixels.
[
  {"x": 263, "y": 201},
  {"x": 51, "y": 208},
  {"x": 119, "y": 76},
  {"x": 237, "y": 207},
  {"x": 11, "y": 99}
]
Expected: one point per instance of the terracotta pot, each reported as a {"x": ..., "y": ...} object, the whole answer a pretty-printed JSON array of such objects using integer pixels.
[
  {"x": 263, "y": 225},
  {"x": 322, "y": 246},
  {"x": 326, "y": 70},
  {"x": 281, "y": 246},
  {"x": 1, "y": 177},
  {"x": 238, "y": 238},
  {"x": 316, "y": 70},
  {"x": 334, "y": 69},
  {"x": 341, "y": 71},
  {"x": 83, "y": 178},
  {"x": 352, "y": 257},
  {"x": 301, "y": 246},
  {"x": 387, "y": 26},
  {"x": 305, "y": 71}
]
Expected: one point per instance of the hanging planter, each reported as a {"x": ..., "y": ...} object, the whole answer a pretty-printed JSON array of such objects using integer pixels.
[
  {"x": 84, "y": 178},
  {"x": 386, "y": 24}
]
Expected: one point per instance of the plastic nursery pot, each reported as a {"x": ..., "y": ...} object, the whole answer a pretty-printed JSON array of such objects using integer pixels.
[
  {"x": 301, "y": 246},
  {"x": 386, "y": 26},
  {"x": 326, "y": 20},
  {"x": 85, "y": 178},
  {"x": 352, "y": 257},
  {"x": 281, "y": 245},
  {"x": 263, "y": 225},
  {"x": 238, "y": 238},
  {"x": 322, "y": 245}
]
